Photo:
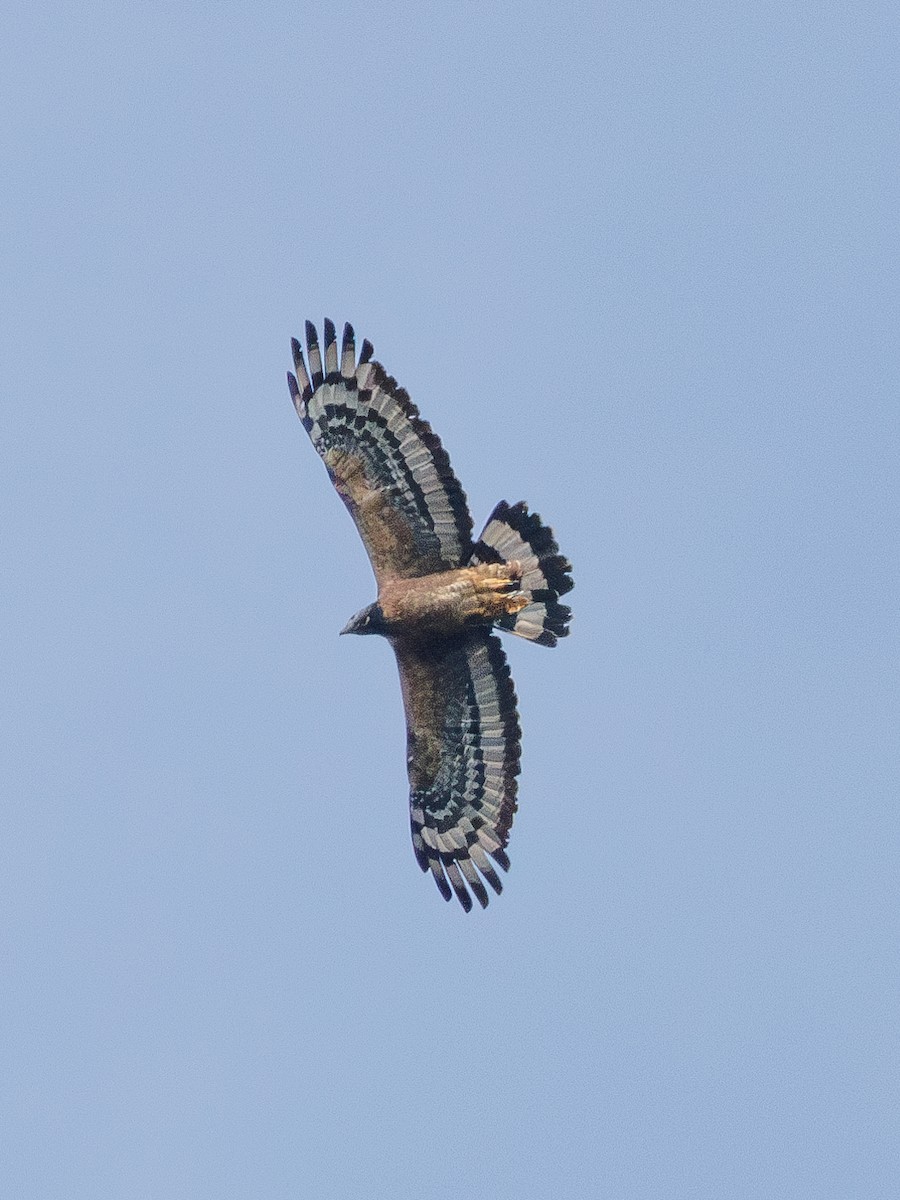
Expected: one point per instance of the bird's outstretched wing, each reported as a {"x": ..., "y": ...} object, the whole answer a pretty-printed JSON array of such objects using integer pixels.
[
  {"x": 388, "y": 466},
  {"x": 462, "y": 756}
]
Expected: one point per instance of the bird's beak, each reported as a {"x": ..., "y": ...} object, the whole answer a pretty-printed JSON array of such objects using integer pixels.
[{"x": 360, "y": 622}]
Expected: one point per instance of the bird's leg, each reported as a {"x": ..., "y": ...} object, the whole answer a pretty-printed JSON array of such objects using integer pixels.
[
  {"x": 499, "y": 577},
  {"x": 497, "y": 591}
]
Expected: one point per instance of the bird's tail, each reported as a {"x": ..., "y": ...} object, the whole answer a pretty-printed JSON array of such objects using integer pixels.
[{"x": 514, "y": 534}]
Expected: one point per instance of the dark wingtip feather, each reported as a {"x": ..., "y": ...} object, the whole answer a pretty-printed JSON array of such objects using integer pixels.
[
  {"x": 331, "y": 353},
  {"x": 315, "y": 355},
  {"x": 298, "y": 400},
  {"x": 300, "y": 368},
  {"x": 366, "y": 351},
  {"x": 456, "y": 881},
  {"x": 437, "y": 872},
  {"x": 483, "y": 863},
  {"x": 473, "y": 880},
  {"x": 348, "y": 353},
  {"x": 492, "y": 877},
  {"x": 500, "y": 857}
]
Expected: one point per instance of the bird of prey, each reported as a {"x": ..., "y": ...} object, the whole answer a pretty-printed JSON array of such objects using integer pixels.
[{"x": 440, "y": 595}]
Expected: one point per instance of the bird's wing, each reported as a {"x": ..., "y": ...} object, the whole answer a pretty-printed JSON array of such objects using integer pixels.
[
  {"x": 462, "y": 756},
  {"x": 389, "y": 468}
]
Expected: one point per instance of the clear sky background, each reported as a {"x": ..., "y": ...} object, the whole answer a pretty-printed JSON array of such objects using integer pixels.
[{"x": 638, "y": 265}]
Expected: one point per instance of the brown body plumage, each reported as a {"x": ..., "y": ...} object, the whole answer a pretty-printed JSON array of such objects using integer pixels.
[{"x": 451, "y": 601}]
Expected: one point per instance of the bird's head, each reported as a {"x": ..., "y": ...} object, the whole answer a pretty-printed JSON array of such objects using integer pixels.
[{"x": 369, "y": 620}]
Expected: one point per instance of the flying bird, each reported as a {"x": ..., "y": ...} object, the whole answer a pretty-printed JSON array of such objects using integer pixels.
[{"x": 440, "y": 595}]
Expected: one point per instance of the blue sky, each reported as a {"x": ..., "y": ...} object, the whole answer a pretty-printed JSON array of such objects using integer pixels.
[{"x": 637, "y": 264}]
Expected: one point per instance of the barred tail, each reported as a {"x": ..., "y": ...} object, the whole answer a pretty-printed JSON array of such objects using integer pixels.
[{"x": 512, "y": 533}]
